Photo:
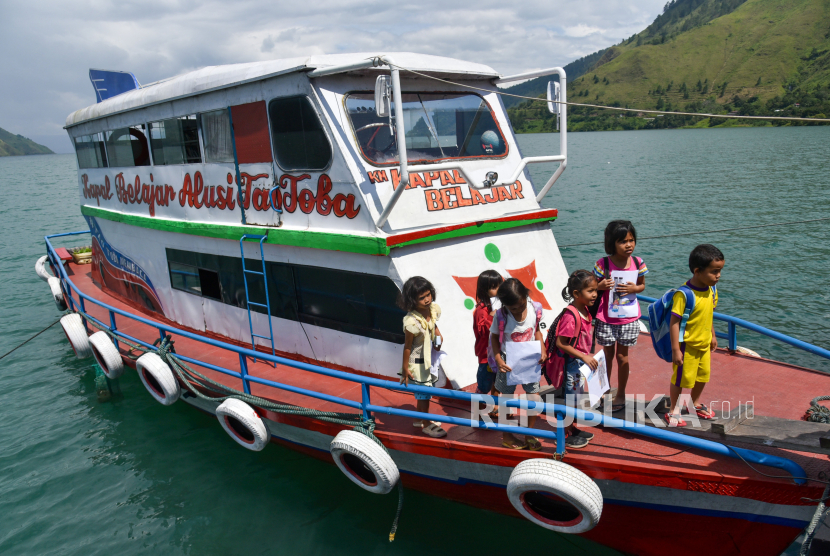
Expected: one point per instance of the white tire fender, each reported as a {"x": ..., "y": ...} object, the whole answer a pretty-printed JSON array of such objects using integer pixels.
[
  {"x": 364, "y": 462},
  {"x": 243, "y": 424},
  {"x": 106, "y": 354},
  {"x": 57, "y": 292},
  {"x": 158, "y": 378},
  {"x": 40, "y": 268},
  {"x": 73, "y": 327},
  {"x": 555, "y": 495}
]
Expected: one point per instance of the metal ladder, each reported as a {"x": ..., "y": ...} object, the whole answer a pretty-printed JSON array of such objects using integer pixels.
[{"x": 248, "y": 301}]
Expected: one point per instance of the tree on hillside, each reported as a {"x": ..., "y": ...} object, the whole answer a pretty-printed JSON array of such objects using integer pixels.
[{"x": 660, "y": 103}]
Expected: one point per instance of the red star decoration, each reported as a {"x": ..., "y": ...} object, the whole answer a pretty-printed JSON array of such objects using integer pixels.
[{"x": 526, "y": 275}]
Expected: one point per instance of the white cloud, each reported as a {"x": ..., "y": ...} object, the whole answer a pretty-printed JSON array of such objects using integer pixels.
[
  {"x": 579, "y": 31},
  {"x": 49, "y": 45}
]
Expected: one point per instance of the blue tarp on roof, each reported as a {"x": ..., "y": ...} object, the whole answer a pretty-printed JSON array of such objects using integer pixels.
[{"x": 108, "y": 84}]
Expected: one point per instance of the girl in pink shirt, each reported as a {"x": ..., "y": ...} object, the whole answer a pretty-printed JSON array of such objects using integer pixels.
[{"x": 616, "y": 335}]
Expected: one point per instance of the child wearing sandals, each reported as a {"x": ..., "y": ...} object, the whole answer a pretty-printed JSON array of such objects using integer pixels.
[
  {"x": 420, "y": 325},
  {"x": 617, "y": 335},
  {"x": 691, "y": 354},
  {"x": 518, "y": 320}
]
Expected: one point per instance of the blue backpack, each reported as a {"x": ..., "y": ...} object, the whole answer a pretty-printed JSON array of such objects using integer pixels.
[{"x": 659, "y": 320}]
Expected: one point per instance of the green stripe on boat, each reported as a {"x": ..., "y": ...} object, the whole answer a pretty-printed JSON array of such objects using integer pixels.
[
  {"x": 476, "y": 229},
  {"x": 367, "y": 245}
]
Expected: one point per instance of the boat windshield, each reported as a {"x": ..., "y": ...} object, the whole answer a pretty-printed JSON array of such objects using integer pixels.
[{"x": 438, "y": 126}]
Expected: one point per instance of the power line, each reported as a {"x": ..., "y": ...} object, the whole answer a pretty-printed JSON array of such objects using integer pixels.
[
  {"x": 709, "y": 231},
  {"x": 536, "y": 99}
]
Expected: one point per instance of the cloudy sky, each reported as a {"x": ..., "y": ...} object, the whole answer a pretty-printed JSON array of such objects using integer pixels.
[{"x": 47, "y": 47}]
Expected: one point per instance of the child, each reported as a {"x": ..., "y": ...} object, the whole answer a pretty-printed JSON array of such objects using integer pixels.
[
  {"x": 486, "y": 288},
  {"x": 581, "y": 291},
  {"x": 616, "y": 335},
  {"x": 691, "y": 354},
  {"x": 520, "y": 320},
  {"x": 420, "y": 325}
]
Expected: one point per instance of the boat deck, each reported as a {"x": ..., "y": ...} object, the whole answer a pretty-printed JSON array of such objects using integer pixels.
[{"x": 735, "y": 379}]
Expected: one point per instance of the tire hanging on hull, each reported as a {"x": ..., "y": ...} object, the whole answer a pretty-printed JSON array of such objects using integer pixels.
[
  {"x": 555, "y": 496},
  {"x": 73, "y": 327},
  {"x": 106, "y": 354},
  {"x": 243, "y": 424},
  {"x": 158, "y": 379},
  {"x": 364, "y": 462}
]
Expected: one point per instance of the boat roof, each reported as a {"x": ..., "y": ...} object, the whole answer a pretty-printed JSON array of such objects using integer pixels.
[{"x": 212, "y": 78}]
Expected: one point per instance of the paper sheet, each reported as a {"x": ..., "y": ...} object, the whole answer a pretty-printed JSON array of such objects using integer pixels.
[
  {"x": 523, "y": 359},
  {"x": 595, "y": 380},
  {"x": 622, "y": 306}
]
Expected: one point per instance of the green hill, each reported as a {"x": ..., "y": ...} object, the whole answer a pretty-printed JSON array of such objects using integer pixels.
[
  {"x": 750, "y": 57},
  {"x": 16, "y": 145}
]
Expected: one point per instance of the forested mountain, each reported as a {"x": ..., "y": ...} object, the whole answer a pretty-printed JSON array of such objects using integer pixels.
[
  {"x": 14, "y": 145},
  {"x": 750, "y": 57}
]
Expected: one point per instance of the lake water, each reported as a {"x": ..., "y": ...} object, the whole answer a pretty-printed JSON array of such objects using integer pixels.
[{"x": 129, "y": 476}]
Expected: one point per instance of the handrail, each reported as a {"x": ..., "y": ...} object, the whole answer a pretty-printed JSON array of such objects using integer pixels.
[
  {"x": 561, "y": 412},
  {"x": 732, "y": 334}
]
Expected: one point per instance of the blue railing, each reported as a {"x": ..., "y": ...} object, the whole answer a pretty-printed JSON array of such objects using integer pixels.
[
  {"x": 732, "y": 332},
  {"x": 563, "y": 413}
]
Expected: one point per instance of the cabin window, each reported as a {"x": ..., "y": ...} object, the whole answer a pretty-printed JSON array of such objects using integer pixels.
[
  {"x": 175, "y": 141},
  {"x": 300, "y": 142},
  {"x": 127, "y": 146},
  {"x": 438, "y": 126},
  {"x": 185, "y": 277},
  {"x": 361, "y": 304},
  {"x": 216, "y": 135},
  {"x": 91, "y": 152}
]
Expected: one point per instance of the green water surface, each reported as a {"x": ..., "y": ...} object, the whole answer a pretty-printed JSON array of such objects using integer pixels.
[{"x": 130, "y": 476}]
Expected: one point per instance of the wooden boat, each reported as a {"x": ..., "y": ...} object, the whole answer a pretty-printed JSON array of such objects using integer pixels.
[{"x": 265, "y": 215}]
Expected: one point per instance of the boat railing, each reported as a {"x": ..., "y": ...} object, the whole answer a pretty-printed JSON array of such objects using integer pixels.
[
  {"x": 563, "y": 413},
  {"x": 731, "y": 335}
]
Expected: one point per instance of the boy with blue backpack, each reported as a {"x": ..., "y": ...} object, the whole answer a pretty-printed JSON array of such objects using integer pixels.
[{"x": 682, "y": 330}]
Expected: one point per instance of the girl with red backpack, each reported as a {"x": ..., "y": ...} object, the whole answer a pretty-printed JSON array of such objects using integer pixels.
[
  {"x": 574, "y": 333},
  {"x": 518, "y": 320}
]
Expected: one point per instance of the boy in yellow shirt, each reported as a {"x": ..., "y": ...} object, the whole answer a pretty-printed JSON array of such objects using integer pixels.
[{"x": 691, "y": 354}]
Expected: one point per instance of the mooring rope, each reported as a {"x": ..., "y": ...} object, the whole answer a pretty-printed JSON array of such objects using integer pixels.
[
  {"x": 817, "y": 413},
  {"x": 166, "y": 351},
  {"x": 30, "y": 339},
  {"x": 709, "y": 231},
  {"x": 818, "y": 517},
  {"x": 536, "y": 99}
]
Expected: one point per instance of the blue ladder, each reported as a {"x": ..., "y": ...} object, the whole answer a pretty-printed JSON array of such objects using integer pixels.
[{"x": 248, "y": 301}]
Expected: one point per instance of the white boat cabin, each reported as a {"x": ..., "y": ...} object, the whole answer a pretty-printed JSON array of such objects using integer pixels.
[{"x": 173, "y": 174}]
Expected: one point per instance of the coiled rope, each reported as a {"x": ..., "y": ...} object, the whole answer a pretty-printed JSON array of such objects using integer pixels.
[
  {"x": 620, "y": 109},
  {"x": 817, "y": 413},
  {"x": 196, "y": 381}
]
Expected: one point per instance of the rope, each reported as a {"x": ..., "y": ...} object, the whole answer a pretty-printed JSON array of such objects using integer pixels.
[
  {"x": 818, "y": 413},
  {"x": 536, "y": 99},
  {"x": 188, "y": 376},
  {"x": 32, "y": 338},
  {"x": 709, "y": 232},
  {"x": 818, "y": 517}
]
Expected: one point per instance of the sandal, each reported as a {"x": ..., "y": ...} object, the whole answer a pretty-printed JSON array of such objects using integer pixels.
[
  {"x": 532, "y": 443},
  {"x": 513, "y": 445},
  {"x": 678, "y": 421},
  {"x": 704, "y": 412},
  {"x": 617, "y": 407},
  {"x": 434, "y": 430}
]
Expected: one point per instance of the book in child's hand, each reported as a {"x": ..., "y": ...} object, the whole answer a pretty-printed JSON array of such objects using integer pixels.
[{"x": 622, "y": 306}]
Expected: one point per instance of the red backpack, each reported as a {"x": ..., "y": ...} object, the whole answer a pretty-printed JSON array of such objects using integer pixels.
[{"x": 554, "y": 368}]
